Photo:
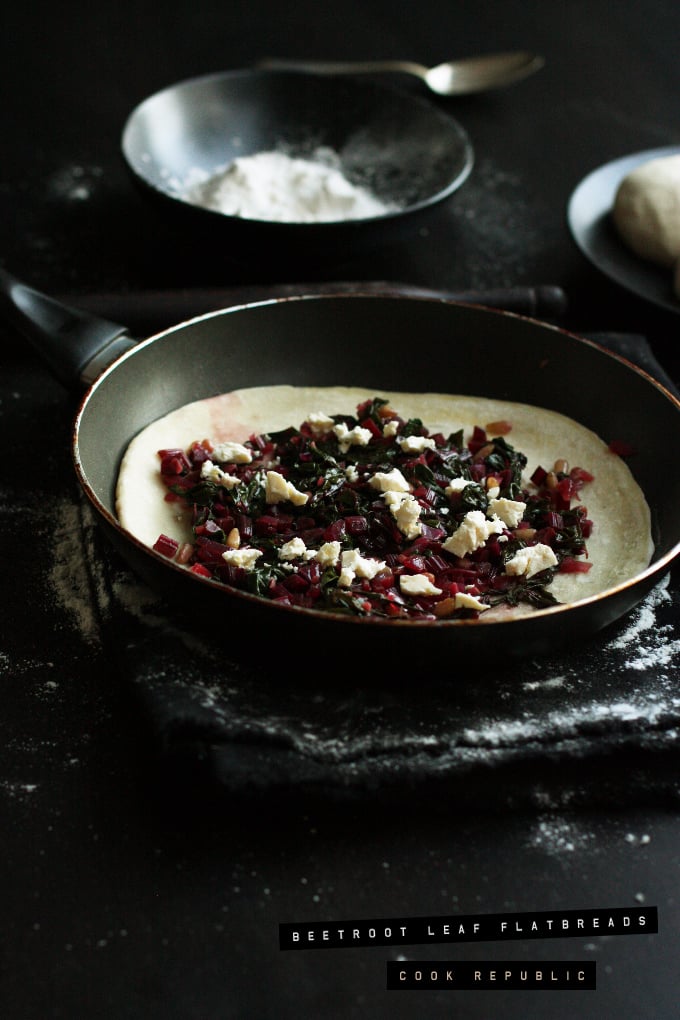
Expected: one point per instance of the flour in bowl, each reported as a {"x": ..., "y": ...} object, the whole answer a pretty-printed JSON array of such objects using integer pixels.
[{"x": 288, "y": 189}]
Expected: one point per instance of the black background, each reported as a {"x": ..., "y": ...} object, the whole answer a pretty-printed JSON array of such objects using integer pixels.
[{"x": 125, "y": 894}]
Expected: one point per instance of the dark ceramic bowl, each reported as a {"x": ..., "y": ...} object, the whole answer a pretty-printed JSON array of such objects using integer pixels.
[{"x": 407, "y": 151}]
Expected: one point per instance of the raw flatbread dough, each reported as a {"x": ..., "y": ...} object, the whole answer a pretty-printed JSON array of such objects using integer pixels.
[
  {"x": 646, "y": 210},
  {"x": 619, "y": 548}
]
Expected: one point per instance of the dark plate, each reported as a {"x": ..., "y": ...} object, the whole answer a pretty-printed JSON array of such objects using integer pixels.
[{"x": 589, "y": 220}]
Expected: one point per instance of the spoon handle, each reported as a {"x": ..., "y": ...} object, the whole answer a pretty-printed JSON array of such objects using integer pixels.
[{"x": 343, "y": 67}]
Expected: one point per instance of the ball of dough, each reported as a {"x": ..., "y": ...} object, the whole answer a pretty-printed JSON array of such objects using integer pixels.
[{"x": 646, "y": 210}]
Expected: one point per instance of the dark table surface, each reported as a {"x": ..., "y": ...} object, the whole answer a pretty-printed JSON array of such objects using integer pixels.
[{"x": 137, "y": 886}]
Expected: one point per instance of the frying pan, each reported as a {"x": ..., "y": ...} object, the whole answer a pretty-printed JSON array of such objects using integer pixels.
[{"x": 381, "y": 342}]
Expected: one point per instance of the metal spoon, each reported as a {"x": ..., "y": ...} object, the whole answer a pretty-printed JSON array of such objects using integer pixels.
[{"x": 453, "y": 78}]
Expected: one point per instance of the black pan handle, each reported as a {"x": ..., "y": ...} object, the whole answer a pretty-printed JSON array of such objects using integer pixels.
[
  {"x": 148, "y": 311},
  {"x": 76, "y": 346}
]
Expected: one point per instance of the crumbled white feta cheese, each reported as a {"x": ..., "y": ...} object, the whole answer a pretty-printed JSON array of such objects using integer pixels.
[
  {"x": 245, "y": 558},
  {"x": 351, "y": 473},
  {"x": 356, "y": 436},
  {"x": 390, "y": 429},
  {"x": 457, "y": 485},
  {"x": 212, "y": 473},
  {"x": 406, "y": 510},
  {"x": 493, "y": 491},
  {"x": 464, "y": 601},
  {"x": 510, "y": 511},
  {"x": 531, "y": 560},
  {"x": 417, "y": 584},
  {"x": 416, "y": 444},
  {"x": 232, "y": 453},
  {"x": 293, "y": 549},
  {"x": 319, "y": 423},
  {"x": 278, "y": 490},
  {"x": 353, "y": 564},
  {"x": 389, "y": 481},
  {"x": 328, "y": 554},
  {"x": 472, "y": 533}
]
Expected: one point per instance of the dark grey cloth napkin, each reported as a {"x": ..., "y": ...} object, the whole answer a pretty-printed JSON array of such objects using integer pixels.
[
  {"x": 596, "y": 722},
  {"x": 599, "y": 721}
]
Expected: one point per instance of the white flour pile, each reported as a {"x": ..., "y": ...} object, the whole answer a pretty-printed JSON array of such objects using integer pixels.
[{"x": 286, "y": 189}]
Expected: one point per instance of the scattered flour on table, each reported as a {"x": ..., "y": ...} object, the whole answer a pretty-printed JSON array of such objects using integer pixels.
[
  {"x": 69, "y": 581},
  {"x": 646, "y": 643},
  {"x": 550, "y": 683},
  {"x": 28, "y": 666},
  {"x": 643, "y": 840},
  {"x": 504, "y": 227},
  {"x": 556, "y": 835},
  {"x": 75, "y": 183},
  {"x": 278, "y": 187},
  {"x": 16, "y": 789},
  {"x": 74, "y": 579}
]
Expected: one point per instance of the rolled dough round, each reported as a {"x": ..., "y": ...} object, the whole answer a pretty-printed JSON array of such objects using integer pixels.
[{"x": 646, "y": 210}]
